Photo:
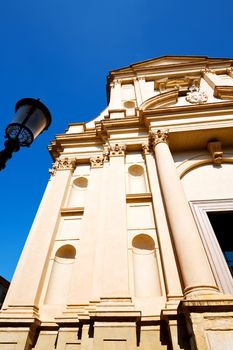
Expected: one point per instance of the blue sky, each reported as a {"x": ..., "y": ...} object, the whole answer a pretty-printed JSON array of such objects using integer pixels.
[{"x": 61, "y": 52}]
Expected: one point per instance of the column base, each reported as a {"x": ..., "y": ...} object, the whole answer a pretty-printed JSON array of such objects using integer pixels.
[{"x": 202, "y": 292}]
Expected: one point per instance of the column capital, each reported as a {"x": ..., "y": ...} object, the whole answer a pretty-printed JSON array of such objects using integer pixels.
[
  {"x": 207, "y": 70},
  {"x": 158, "y": 136},
  {"x": 117, "y": 149},
  {"x": 62, "y": 164},
  {"x": 146, "y": 148},
  {"x": 97, "y": 161}
]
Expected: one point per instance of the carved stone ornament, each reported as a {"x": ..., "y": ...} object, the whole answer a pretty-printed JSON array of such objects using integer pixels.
[
  {"x": 145, "y": 148},
  {"x": 230, "y": 70},
  {"x": 62, "y": 164},
  {"x": 208, "y": 70},
  {"x": 117, "y": 150},
  {"x": 106, "y": 152},
  {"x": 196, "y": 96},
  {"x": 97, "y": 161},
  {"x": 158, "y": 136},
  {"x": 215, "y": 150}
]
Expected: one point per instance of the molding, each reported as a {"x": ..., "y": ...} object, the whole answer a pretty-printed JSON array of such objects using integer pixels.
[
  {"x": 72, "y": 211},
  {"x": 138, "y": 197},
  {"x": 200, "y": 160},
  {"x": 162, "y": 100},
  {"x": 210, "y": 242},
  {"x": 224, "y": 92}
]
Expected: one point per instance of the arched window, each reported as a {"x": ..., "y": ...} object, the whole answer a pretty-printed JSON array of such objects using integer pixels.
[
  {"x": 78, "y": 192},
  {"x": 146, "y": 275},
  {"x": 60, "y": 275},
  {"x": 137, "y": 183}
]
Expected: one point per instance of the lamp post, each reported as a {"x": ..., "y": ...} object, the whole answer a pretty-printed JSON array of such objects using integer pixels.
[{"x": 31, "y": 118}]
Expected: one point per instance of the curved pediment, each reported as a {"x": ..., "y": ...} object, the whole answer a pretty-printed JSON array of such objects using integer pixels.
[{"x": 165, "y": 99}]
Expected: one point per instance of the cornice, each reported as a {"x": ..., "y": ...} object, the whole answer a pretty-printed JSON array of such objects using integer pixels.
[
  {"x": 188, "y": 111},
  {"x": 117, "y": 123},
  {"x": 133, "y": 130},
  {"x": 175, "y": 67},
  {"x": 87, "y": 138},
  {"x": 191, "y": 65}
]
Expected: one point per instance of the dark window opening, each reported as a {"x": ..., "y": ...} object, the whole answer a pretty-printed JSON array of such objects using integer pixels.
[{"x": 222, "y": 223}]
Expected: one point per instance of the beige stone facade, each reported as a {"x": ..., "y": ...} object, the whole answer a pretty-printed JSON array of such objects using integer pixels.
[{"x": 130, "y": 247}]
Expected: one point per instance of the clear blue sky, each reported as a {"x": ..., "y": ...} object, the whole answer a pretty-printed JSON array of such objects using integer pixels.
[{"x": 61, "y": 52}]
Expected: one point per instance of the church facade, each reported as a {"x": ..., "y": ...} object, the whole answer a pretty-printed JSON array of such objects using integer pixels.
[{"x": 131, "y": 246}]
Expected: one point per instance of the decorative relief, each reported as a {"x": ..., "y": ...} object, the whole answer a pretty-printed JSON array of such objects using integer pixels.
[
  {"x": 181, "y": 83},
  {"x": 106, "y": 152},
  {"x": 117, "y": 150},
  {"x": 215, "y": 150},
  {"x": 195, "y": 96},
  {"x": 145, "y": 148},
  {"x": 158, "y": 136},
  {"x": 62, "y": 164},
  {"x": 97, "y": 161},
  {"x": 208, "y": 70},
  {"x": 114, "y": 83}
]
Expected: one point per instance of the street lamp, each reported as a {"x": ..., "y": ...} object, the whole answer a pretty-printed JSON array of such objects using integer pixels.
[{"x": 31, "y": 118}]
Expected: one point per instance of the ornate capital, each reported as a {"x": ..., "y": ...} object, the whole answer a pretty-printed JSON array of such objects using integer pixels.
[
  {"x": 158, "y": 136},
  {"x": 117, "y": 150},
  {"x": 97, "y": 161},
  {"x": 62, "y": 164},
  {"x": 106, "y": 152},
  {"x": 145, "y": 148},
  {"x": 215, "y": 150},
  {"x": 208, "y": 70}
]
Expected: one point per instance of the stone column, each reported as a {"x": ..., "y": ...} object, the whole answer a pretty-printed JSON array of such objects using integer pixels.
[
  {"x": 171, "y": 275},
  {"x": 195, "y": 270},
  {"x": 27, "y": 282}
]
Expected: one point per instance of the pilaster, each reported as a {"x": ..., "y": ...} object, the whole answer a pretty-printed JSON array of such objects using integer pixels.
[
  {"x": 115, "y": 261},
  {"x": 26, "y": 286}
]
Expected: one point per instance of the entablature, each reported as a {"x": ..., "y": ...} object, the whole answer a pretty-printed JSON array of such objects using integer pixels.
[{"x": 190, "y": 126}]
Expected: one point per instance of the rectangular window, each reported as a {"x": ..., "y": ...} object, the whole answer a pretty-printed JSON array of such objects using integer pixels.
[
  {"x": 222, "y": 225},
  {"x": 214, "y": 219}
]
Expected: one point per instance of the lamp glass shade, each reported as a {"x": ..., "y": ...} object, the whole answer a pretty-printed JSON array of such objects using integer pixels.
[{"x": 31, "y": 118}]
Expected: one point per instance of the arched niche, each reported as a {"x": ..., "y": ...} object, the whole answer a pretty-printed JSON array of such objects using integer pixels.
[
  {"x": 136, "y": 179},
  {"x": 146, "y": 274},
  {"x": 78, "y": 192},
  {"x": 61, "y": 272}
]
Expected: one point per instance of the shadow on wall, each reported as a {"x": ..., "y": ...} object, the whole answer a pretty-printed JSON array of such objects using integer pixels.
[{"x": 4, "y": 285}]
